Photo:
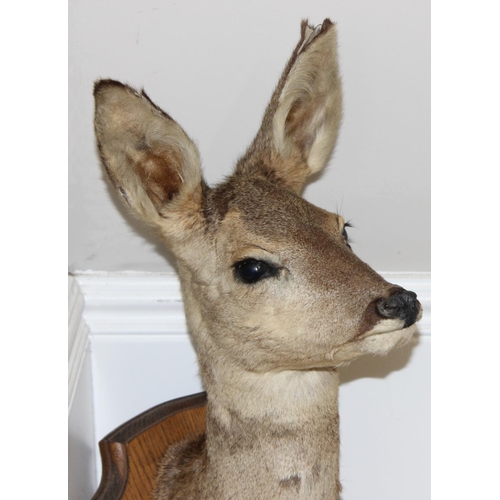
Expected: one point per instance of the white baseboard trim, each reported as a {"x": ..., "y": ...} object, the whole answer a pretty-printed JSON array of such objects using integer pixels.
[
  {"x": 78, "y": 336},
  {"x": 151, "y": 303}
]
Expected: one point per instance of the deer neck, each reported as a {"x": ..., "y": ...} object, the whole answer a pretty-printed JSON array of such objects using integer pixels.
[
  {"x": 269, "y": 435},
  {"x": 276, "y": 432}
]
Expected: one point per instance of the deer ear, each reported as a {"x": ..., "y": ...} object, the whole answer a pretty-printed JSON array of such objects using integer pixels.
[
  {"x": 148, "y": 156},
  {"x": 302, "y": 120}
]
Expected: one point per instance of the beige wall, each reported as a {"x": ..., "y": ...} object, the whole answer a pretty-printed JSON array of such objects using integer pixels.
[{"x": 213, "y": 66}]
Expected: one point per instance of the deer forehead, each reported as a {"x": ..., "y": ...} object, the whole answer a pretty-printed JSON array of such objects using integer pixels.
[{"x": 277, "y": 216}]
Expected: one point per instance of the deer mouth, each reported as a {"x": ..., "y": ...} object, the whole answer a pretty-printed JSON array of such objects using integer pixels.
[
  {"x": 395, "y": 325},
  {"x": 396, "y": 312},
  {"x": 380, "y": 340}
]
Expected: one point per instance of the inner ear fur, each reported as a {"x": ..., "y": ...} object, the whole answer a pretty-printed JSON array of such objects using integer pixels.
[
  {"x": 148, "y": 157},
  {"x": 301, "y": 123}
]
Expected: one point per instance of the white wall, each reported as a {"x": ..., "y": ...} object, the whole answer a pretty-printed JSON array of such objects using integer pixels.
[
  {"x": 82, "y": 443},
  {"x": 213, "y": 66}
]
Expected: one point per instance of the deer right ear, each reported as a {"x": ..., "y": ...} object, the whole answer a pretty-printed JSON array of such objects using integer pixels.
[
  {"x": 149, "y": 158},
  {"x": 301, "y": 123}
]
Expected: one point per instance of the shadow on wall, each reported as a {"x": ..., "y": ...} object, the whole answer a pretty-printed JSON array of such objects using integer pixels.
[
  {"x": 378, "y": 366},
  {"x": 81, "y": 468}
]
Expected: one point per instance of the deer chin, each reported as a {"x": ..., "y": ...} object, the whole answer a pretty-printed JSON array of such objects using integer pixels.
[
  {"x": 386, "y": 335},
  {"x": 378, "y": 341},
  {"x": 384, "y": 341}
]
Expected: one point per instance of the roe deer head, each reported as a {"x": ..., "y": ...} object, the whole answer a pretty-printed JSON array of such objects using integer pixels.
[{"x": 275, "y": 298}]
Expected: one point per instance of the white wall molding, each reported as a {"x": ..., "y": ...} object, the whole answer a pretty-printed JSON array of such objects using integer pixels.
[
  {"x": 133, "y": 303},
  {"x": 78, "y": 336},
  {"x": 81, "y": 426},
  {"x": 151, "y": 303}
]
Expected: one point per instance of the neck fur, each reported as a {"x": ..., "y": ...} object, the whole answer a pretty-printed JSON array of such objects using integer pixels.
[{"x": 278, "y": 432}]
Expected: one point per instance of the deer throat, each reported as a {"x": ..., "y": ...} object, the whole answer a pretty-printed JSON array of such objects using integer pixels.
[{"x": 280, "y": 437}]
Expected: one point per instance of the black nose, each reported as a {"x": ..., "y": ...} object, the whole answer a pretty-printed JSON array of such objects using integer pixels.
[{"x": 402, "y": 304}]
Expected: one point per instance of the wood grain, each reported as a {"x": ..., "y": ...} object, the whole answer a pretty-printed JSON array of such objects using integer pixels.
[{"x": 130, "y": 454}]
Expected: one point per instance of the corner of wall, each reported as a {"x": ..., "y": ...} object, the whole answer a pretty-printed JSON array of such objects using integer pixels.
[{"x": 81, "y": 426}]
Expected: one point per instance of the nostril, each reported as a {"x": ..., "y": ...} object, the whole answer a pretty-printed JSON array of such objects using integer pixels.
[
  {"x": 387, "y": 308},
  {"x": 402, "y": 304}
]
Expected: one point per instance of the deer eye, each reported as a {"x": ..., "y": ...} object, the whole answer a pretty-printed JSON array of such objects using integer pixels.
[{"x": 253, "y": 270}]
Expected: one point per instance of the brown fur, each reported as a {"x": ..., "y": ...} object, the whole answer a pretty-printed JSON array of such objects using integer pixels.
[
  {"x": 183, "y": 463},
  {"x": 268, "y": 351}
]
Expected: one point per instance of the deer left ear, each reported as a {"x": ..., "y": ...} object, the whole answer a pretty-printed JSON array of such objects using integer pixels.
[
  {"x": 149, "y": 158},
  {"x": 302, "y": 120}
]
